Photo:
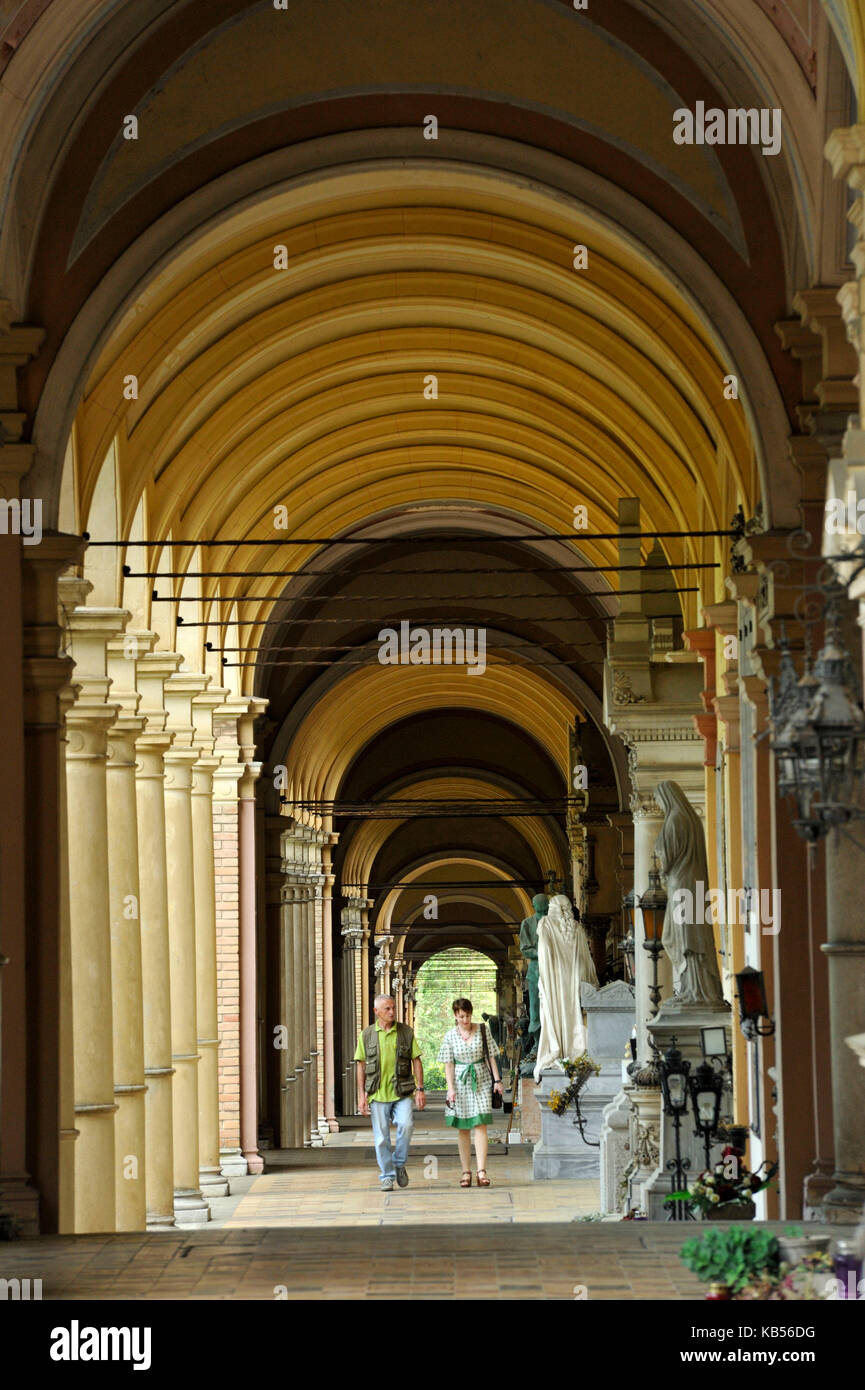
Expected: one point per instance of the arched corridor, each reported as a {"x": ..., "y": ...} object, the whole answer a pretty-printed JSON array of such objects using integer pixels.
[{"x": 433, "y": 454}]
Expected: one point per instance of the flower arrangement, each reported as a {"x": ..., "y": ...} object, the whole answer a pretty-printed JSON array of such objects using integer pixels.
[
  {"x": 809, "y": 1279},
  {"x": 728, "y": 1181},
  {"x": 578, "y": 1073}
]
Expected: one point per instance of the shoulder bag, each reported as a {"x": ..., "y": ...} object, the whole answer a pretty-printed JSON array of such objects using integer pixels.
[{"x": 497, "y": 1097}]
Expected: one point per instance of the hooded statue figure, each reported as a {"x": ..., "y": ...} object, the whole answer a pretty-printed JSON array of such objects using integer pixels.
[
  {"x": 565, "y": 962},
  {"x": 681, "y": 851}
]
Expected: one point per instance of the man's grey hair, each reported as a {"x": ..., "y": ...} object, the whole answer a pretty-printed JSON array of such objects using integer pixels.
[{"x": 380, "y": 998}]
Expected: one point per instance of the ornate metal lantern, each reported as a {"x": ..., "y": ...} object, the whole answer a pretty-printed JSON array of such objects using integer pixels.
[
  {"x": 820, "y": 742},
  {"x": 653, "y": 905},
  {"x": 751, "y": 993},
  {"x": 706, "y": 1086}
]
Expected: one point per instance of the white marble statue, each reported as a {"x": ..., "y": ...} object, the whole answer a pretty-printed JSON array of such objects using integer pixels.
[
  {"x": 689, "y": 943},
  {"x": 564, "y": 962}
]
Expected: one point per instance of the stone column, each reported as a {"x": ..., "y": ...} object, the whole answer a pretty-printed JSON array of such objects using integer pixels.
[
  {"x": 153, "y": 669},
  {"x": 320, "y": 1128},
  {"x": 307, "y": 986},
  {"x": 37, "y": 1165},
  {"x": 845, "y": 949},
  {"x": 648, "y": 819},
  {"x": 189, "y": 1205},
  {"x": 295, "y": 996},
  {"x": 352, "y": 1021},
  {"x": 31, "y": 677},
  {"x": 126, "y": 968},
  {"x": 248, "y": 1011},
  {"x": 212, "y": 1180},
  {"x": 226, "y": 833},
  {"x": 288, "y": 1079},
  {"x": 329, "y": 1074},
  {"x": 88, "y": 722}
]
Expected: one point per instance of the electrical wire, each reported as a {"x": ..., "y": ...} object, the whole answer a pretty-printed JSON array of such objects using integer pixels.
[
  {"x": 418, "y": 540},
  {"x": 129, "y": 573}
]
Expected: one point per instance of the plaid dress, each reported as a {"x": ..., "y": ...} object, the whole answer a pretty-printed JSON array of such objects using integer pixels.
[{"x": 474, "y": 1085}]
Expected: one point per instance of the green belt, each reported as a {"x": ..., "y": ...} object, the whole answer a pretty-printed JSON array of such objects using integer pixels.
[{"x": 469, "y": 1071}]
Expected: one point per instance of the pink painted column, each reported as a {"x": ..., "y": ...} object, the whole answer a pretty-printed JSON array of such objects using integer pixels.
[
  {"x": 246, "y": 869},
  {"x": 327, "y": 990},
  {"x": 246, "y": 874}
]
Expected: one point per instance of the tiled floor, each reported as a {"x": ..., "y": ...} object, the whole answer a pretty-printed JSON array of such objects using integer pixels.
[
  {"x": 316, "y": 1226},
  {"x": 351, "y": 1196},
  {"x": 497, "y": 1260}
]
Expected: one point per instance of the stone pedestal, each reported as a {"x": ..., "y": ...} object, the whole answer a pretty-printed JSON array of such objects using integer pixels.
[
  {"x": 682, "y": 1022},
  {"x": 530, "y": 1114},
  {"x": 615, "y": 1153},
  {"x": 562, "y": 1153},
  {"x": 645, "y": 1137}
]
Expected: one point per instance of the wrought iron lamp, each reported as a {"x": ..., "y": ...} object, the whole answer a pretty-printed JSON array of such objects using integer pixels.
[
  {"x": 653, "y": 905},
  {"x": 706, "y": 1086},
  {"x": 674, "y": 1071},
  {"x": 819, "y": 745}
]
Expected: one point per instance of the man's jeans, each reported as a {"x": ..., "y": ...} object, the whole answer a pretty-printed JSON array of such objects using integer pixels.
[{"x": 385, "y": 1113}]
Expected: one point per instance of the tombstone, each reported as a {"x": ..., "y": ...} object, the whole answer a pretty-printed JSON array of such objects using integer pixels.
[{"x": 562, "y": 1153}]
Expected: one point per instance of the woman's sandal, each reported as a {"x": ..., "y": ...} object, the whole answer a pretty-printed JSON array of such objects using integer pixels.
[
  {"x": 463, "y": 1182},
  {"x": 483, "y": 1181}
]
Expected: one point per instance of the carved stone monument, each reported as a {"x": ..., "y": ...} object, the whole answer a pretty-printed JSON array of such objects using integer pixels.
[{"x": 562, "y": 1153}]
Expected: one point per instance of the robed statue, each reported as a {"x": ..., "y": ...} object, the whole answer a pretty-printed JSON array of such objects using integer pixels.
[
  {"x": 529, "y": 948},
  {"x": 688, "y": 938},
  {"x": 564, "y": 962}
]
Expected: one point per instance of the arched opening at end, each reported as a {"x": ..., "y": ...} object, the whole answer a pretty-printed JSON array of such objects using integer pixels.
[{"x": 456, "y": 973}]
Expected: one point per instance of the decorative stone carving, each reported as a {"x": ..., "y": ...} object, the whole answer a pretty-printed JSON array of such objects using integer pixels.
[
  {"x": 615, "y": 1152},
  {"x": 623, "y": 691}
]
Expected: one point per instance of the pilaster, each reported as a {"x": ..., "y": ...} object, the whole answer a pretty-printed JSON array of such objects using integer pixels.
[
  {"x": 189, "y": 1205},
  {"x": 88, "y": 721},
  {"x": 153, "y": 669},
  {"x": 125, "y": 910}
]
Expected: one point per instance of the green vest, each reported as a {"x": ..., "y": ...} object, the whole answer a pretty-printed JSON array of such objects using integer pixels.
[{"x": 403, "y": 1081}]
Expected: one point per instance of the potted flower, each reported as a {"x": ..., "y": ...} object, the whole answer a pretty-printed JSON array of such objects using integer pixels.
[
  {"x": 807, "y": 1279},
  {"x": 796, "y": 1246},
  {"x": 726, "y": 1192},
  {"x": 731, "y": 1258}
]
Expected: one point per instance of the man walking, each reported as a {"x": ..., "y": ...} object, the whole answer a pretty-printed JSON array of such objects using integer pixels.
[{"x": 386, "y": 1055}]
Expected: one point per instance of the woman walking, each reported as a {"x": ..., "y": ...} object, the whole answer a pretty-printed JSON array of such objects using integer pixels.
[{"x": 469, "y": 1055}]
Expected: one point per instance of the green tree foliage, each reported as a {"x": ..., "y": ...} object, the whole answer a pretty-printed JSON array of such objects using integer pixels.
[{"x": 442, "y": 979}]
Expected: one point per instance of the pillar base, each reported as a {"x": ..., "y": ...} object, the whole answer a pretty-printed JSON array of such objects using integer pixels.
[
  {"x": 254, "y": 1161},
  {"x": 815, "y": 1189},
  {"x": 190, "y": 1209},
  {"x": 20, "y": 1200},
  {"x": 232, "y": 1164},
  {"x": 161, "y": 1223},
  {"x": 213, "y": 1182},
  {"x": 845, "y": 1203}
]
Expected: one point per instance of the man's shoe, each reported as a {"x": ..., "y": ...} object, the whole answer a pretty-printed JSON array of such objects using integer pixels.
[
  {"x": 387, "y": 1184},
  {"x": 402, "y": 1177}
]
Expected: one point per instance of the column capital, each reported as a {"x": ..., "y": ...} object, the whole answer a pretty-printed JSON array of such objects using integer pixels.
[
  {"x": 179, "y": 690},
  {"x": 202, "y": 776},
  {"x": 845, "y": 151}
]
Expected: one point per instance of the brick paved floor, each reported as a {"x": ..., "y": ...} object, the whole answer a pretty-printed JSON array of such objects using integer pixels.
[
  {"x": 495, "y": 1260},
  {"x": 316, "y": 1226}
]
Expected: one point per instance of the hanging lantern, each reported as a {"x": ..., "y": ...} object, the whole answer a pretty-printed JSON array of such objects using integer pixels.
[
  {"x": 653, "y": 904},
  {"x": 820, "y": 746}
]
